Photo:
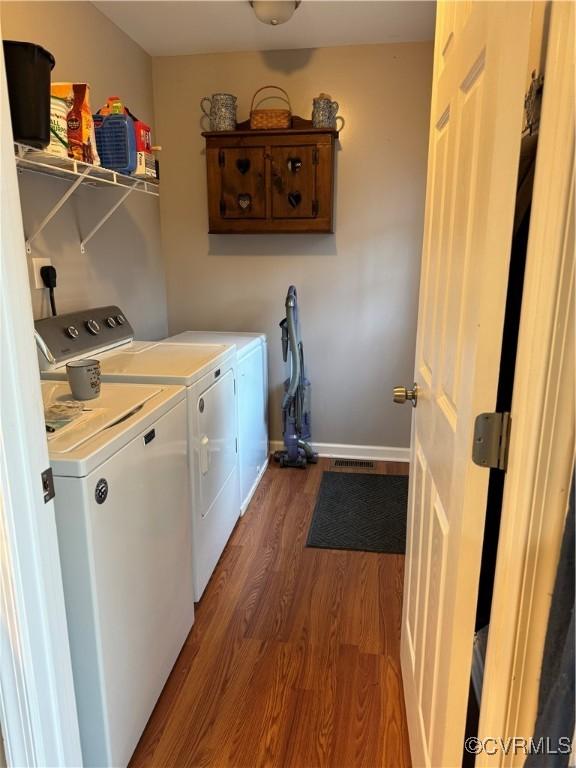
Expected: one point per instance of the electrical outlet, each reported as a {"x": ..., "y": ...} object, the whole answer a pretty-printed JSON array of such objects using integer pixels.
[{"x": 37, "y": 265}]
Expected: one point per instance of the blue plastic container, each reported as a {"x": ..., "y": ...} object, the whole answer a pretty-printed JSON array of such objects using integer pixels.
[{"x": 116, "y": 142}]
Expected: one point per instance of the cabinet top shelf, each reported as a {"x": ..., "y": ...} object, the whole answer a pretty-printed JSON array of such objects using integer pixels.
[
  {"x": 38, "y": 161},
  {"x": 299, "y": 126}
]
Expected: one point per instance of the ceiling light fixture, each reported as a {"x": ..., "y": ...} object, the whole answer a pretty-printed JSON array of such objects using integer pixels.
[{"x": 274, "y": 12}]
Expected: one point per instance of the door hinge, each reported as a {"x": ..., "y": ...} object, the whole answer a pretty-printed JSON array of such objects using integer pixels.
[
  {"x": 315, "y": 207},
  {"x": 222, "y": 208},
  {"x": 315, "y": 156},
  {"x": 491, "y": 440},
  {"x": 48, "y": 485},
  {"x": 221, "y": 158},
  {"x": 236, "y": 445}
]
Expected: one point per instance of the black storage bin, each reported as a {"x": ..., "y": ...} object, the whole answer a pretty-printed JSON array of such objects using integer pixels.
[{"x": 28, "y": 68}]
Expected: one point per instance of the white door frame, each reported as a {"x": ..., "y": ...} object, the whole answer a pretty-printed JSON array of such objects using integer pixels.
[
  {"x": 541, "y": 456},
  {"x": 37, "y": 703}
]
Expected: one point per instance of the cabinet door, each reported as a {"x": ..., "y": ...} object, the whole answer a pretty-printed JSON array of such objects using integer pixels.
[
  {"x": 242, "y": 183},
  {"x": 294, "y": 182}
]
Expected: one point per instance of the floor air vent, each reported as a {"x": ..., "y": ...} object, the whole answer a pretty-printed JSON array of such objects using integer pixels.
[{"x": 356, "y": 463}]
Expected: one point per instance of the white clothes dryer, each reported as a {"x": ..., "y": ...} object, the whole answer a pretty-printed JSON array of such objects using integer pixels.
[{"x": 252, "y": 355}]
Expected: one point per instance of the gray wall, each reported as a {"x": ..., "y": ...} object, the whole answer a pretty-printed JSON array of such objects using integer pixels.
[
  {"x": 358, "y": 289},
  {"x": 123, "y": 262}
]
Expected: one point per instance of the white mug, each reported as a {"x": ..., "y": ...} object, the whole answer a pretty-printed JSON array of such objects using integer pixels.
[{"x": 84, "y": 379}]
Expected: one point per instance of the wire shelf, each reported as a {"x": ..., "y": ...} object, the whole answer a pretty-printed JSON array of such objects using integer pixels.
[
  {"x": 29, "y": 159},
  {"x": 38, "y": 161}
]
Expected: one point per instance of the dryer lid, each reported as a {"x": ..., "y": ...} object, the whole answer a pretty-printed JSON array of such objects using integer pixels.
[
  {"x": 166, "y": 363},
  {"x": 244, "y": 341}
]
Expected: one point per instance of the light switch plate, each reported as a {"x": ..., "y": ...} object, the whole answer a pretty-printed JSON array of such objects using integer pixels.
[{"x": 37, "y": 265}]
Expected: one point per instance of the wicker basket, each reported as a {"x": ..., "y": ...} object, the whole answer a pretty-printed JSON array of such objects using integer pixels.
[{"x": 270, "y": 119}]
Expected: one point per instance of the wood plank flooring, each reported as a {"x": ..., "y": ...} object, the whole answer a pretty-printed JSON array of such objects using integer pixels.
[{"x": 294, "y": 657}]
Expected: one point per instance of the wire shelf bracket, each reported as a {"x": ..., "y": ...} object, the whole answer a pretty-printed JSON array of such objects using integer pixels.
[
  {"x": 105, "y": 218},
  {"x": 50, "y": 215}
]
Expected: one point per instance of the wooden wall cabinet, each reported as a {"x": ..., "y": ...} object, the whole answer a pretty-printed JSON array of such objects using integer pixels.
[{"x": 270, "y": 181}]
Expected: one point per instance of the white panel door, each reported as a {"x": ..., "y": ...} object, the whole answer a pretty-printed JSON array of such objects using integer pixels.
[{"x": 476, "y": 121}]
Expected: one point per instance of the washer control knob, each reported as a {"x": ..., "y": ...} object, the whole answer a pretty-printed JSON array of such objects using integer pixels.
[
  {"x": 111, "y": 322},
  {"x": 93, "y": 327},
  {"x": 72, "y": 332},
  {"x": 120, "y": 319}
]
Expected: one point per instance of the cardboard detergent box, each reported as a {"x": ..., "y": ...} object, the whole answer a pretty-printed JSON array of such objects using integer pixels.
[
  {"x": 145, "y": 166},
  {"x": 143, "y": 137},
  {"x": 71, "y": 122}
]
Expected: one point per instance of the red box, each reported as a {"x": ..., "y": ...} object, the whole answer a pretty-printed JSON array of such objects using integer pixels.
[{"x": 143, "y": 138}]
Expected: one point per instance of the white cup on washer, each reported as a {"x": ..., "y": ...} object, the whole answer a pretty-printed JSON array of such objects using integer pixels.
[{"x": 84, "y": 378}]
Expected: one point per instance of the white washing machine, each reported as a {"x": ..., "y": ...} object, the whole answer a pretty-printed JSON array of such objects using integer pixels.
[
  {"x": 120, "y": 471},
  {"x": 207, "y": 371},
  {"x": 252, "y": 355}
]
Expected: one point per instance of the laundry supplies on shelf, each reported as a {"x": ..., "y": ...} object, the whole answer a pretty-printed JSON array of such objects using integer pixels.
[
  {"x": 124, "y": 142},
  {"x": 116, "y": 142},
  {"x": 80, "y": 139}
]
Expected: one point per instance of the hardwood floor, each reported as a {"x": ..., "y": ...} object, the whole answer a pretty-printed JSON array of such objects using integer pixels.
[{"x": 294, "y": 657}]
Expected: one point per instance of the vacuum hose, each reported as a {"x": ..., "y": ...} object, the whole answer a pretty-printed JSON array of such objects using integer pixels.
[{"x": 295, "y": 369}]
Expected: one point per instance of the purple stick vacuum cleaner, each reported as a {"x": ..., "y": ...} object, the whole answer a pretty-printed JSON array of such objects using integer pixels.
[{"x": 296, "y": 406}]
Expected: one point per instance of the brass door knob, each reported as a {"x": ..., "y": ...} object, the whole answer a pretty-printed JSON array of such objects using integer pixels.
[{"x": 402, "y": 394}]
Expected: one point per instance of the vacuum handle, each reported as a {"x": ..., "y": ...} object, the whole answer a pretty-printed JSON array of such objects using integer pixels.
[
  {"x": 284, "y": 340},
  {"x": 294, "y": 345}
]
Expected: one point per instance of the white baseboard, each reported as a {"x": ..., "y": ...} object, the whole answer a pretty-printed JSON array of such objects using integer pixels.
[{"x": 342, "y": 451}]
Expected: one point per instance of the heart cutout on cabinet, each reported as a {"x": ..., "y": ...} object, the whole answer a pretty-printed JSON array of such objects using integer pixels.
[
  {"x": 244, "y": 201},
  {"x": 294, "y": 164},
  {"x": 294, "y": 198},
  {"x": 243, "y": 165}
]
